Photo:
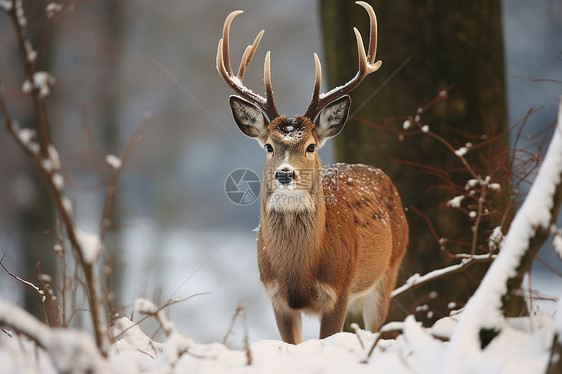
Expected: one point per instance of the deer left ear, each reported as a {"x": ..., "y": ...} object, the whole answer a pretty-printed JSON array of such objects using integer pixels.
[{"x": 332, "y": 118}]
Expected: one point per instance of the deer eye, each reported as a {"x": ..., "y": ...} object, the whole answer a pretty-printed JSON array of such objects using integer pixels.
[
  {"x": 311, "y": 148},
  {"x": 268, "y": 148}
]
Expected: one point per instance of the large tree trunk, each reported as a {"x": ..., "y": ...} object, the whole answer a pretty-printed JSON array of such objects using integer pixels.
[{"x": 426, "y": 46}]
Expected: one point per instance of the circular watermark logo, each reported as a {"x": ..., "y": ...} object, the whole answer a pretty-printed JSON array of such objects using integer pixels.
[{"x": 242, "y": 186}]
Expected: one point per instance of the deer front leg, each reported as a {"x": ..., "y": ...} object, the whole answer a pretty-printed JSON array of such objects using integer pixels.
[
  {"x": 289, "y": 323},
  {"x": 332, "y": 321}
]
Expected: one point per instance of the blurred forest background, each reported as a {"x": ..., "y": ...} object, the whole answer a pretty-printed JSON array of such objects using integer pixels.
[{"x": 177, "y": 233}]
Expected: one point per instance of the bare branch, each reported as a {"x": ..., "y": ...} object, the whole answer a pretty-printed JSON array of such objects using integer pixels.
[
  {"x": 416, "y": 280},
  {"x": 27, "y": 283}
]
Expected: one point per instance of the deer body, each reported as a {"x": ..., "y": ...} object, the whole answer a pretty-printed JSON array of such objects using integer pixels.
[{"x": 330, "y": 240}]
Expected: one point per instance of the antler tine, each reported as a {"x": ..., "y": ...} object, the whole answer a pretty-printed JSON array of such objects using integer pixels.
[
  {"x": 235, "y": 82},
  {"x": 248, "y": 55},
  {"x": 226, "y": 39},
  {"x": 367, "y": 65},
  {"x": 317, "y": 84},
  {"x": 270, "y": 109},
  {"x": 373, "y": 38}
]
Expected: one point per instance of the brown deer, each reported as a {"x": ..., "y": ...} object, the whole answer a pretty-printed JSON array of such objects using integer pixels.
[{"x": 330, "y": 240}]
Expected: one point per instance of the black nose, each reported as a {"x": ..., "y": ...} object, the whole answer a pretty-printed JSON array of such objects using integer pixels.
[{"x": 284, "y": 176}]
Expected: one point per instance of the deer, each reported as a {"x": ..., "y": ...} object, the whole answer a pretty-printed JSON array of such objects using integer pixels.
[{"x": 330, "y": 239}]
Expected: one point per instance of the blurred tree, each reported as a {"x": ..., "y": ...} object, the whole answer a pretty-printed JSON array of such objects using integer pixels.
[
  {"x": 35, "y": 217},
  {"x": 426, "y": 47},
  {"x": 112, "y": 16}
]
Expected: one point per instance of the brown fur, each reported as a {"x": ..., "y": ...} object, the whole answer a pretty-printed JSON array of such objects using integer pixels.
[{"x": 345, "y": 248}]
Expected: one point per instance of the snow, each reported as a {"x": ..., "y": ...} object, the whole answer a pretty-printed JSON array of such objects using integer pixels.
[
  {"x": 90, "y": 244},
  {"x": 67, "y": 205},
  {"x": 557, "y": 323},
  {"x": 26, "y": 136},
  {"x": 43, "y": 81},
  {"x": 495, "y": 240},
  {"x": 113, "y": 161},
  {"x": 67, "y": 350},
  {"x": 6, "y": 5},
  {"x": 54, "y": 157},
  {"x": 557, "y": 244},
  {"x": 58, "y": 181},
  {"x": 461, "y": 151},
  {"x": 471, "y": 183},
  {"x": 26, "y": 86},
  {"x": 19, "y": 13},
  {"x": 52, "y": 9},
  {"x": 37, "y": 289},
  {"x": 416, "y": 279},
  {"x": 290, "y": 134},
  {"x": 418, "y": 350},
  {"x": 31, "y": 53},
  {"x": 455, "y": 202},
  {"x": 425, "y": 128}
]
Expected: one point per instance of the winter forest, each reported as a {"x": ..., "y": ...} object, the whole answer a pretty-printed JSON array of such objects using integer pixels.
[{"x": 130, "y": 199}]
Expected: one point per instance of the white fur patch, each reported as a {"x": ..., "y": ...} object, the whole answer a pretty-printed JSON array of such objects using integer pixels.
[
  {"x": 373, "y": 311},
  {"x": 272, "y": 290},
  {"x": 326, "y": 295}
]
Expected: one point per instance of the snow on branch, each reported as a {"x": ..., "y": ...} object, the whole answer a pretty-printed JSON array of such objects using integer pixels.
[
  {"x": 176, "y": 345},
  {"x": 70, "y": 351},
  {"x": 417, "y": 280},
  {"x": 483, "y": 312}
]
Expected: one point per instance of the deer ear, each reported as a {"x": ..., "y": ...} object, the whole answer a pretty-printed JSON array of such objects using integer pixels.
[
  {"x": 249, "y": 118},
  {"x": 332, "y": 118}
]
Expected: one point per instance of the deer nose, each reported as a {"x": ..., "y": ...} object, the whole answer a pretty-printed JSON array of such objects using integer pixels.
[{"x": 284, "y": 176}]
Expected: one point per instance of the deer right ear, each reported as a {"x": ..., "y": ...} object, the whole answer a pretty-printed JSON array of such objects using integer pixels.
[{"x": 249, "y": 118}]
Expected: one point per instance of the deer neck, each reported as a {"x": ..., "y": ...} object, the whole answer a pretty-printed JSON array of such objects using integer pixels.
[{"x": 295, "y": 233}]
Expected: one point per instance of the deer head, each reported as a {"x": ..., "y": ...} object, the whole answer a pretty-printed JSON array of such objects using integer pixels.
[{"x": 292, "y": 174}]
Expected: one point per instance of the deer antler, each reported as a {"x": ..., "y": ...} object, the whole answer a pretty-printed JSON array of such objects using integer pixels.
[
  {"x": 367, "y": 65},
  {"x": 267, "y": 105}
]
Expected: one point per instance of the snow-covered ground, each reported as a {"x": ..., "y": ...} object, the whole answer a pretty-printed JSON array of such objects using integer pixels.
[{"x": 521, "y": 347}]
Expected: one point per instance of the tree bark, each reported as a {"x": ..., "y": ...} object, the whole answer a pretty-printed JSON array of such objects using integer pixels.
[{"x": 426, "y": 46}]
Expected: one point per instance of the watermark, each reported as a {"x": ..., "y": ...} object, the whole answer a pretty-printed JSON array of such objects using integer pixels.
[
  {"x": 300, "y": 199},
  {"x": 242, "y": 186}
]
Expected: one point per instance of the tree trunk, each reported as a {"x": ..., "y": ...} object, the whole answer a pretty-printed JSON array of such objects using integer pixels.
[{"x": 426, "y": 46}]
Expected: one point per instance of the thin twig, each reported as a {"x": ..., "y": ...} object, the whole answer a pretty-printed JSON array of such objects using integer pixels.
[
  {"x": 27, "y": 283},
  {"x": 117, "y": 166},
  {"x": 148, "y": 315},
  {"x": 389, "y": 327},
  {"x": 237, "y": 312},
  {"x": 29, "y": 59},
  {"x": 356, "y": 329},
  {"x": 240, "y": 311}
]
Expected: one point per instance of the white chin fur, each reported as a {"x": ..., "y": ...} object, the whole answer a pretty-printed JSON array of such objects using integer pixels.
[{"x": 289, "y": 200}]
